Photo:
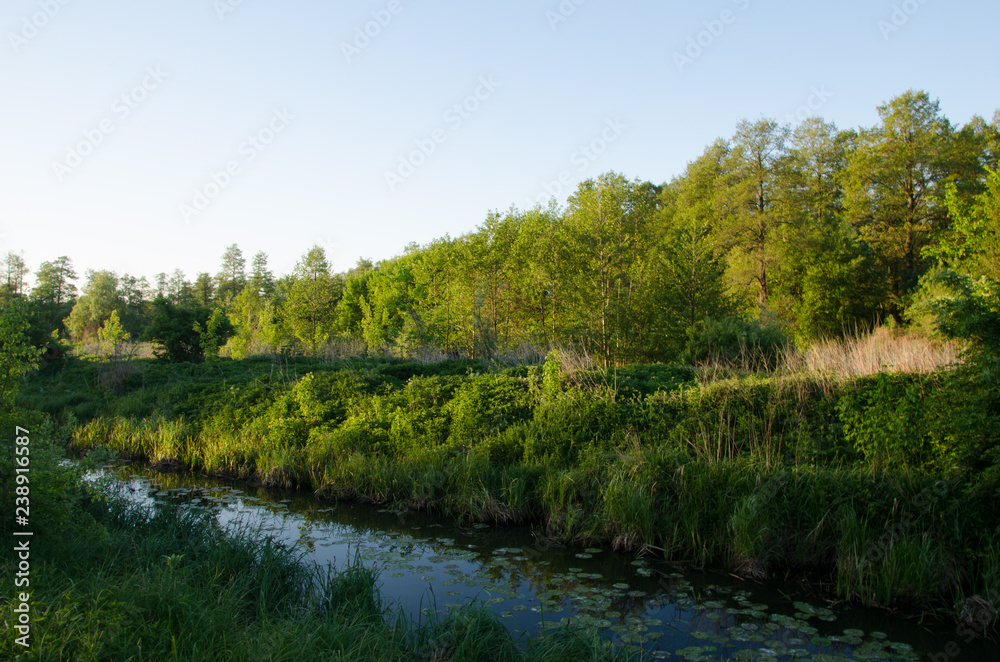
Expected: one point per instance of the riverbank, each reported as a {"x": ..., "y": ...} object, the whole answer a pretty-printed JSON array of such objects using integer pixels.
[
  {"x": 879, "y": 481},
  {"x": 126, "y": 581}
]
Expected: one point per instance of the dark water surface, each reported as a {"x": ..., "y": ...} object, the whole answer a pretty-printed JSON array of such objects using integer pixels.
[{"x": 425, "y": 564}]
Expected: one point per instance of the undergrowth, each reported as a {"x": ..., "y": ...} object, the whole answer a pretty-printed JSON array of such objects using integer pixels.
[{"x": 888, "y": 481}]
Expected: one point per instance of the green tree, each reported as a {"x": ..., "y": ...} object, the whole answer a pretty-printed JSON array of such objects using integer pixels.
[
  {"x": 112, "y": 336},
  {"x": 312, "y": 299},
  {"x": 99, "y": 299},
  {"x": 971, "y": 243},
  {"x": 749, "y": 206},
  {"x": 349, "y": 311},
  {"x": 203, "y": 290},
  {"x": 179, "y": 290},
  {"x": 172, "y": 330},
  {"x": 540, "y": 274},
  {"x": 895, "y": 183},
  {"x": 607, "y": 233},
  {"x": 388, "y": 313},
  {"x": 18, "y": 356},
  {"x": 261, "y": 277},
  {"x": 687, "y": 286},
  {"x": 970, "y": 247},
  {"x": 252, "y": 319},
  {"x": 162, "y": 288},
  {"x": 213, "y": 334},
  {"x": 54, "y": 293},
  {"x": 232, "y": 277},
  {"x": 826, "y": 282},
  {"x": 53, "y": 282},
  {"x": 15, "y": 272},
  {"x": 686, "y": 281}
]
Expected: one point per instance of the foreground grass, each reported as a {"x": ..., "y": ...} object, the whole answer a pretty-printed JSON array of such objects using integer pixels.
[
  {"x": 887, "y": 482},
  {"x": 167, "y": 584}
]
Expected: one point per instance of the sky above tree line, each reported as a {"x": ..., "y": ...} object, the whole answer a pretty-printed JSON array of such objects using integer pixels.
[{"x": 144, "y": 137}]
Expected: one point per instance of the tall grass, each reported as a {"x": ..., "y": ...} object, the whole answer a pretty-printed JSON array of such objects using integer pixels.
[
  {"x": 164, "y": 583},
  {"x": 868, "y": 353},
  {"x": 760, "y": 473},
  {"x": 856, "y": 354}
]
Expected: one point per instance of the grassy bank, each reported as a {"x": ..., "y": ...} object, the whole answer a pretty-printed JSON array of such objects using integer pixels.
[
  {"x": 124, "y": 582},
  {"x": 888, "y": 482}
]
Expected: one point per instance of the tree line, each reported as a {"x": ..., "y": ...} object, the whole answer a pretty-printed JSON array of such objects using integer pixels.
[{"x": 775, "y": 233}]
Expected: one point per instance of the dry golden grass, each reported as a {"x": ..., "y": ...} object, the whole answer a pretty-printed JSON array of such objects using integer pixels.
[
  {"x": 134, "y": 350},
  {"x": 827, "y": 362},
  {"x": 522, "y": 354},
  {"x": 337, "y": 349},
  {"x": 881, "y": 350}
]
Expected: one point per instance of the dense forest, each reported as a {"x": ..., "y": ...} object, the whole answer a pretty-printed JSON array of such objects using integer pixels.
[{"x": 777, "y": 234}]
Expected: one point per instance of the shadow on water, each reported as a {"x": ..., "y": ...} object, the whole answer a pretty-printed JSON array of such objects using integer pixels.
[{"x": 426, "y": 564}]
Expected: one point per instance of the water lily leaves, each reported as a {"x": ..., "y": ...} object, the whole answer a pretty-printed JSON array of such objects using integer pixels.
[
  {"x": 696, "y": 653},
  {"x": 624, "y": 605}
]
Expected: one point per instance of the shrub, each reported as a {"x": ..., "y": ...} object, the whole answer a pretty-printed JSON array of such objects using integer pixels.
[
  {"x": 651, "y": 378},
  {"x": 364, "y": 435},
  {"x": 755, "y": 344},
  {"x": 487, "y": 404},
  {"x": 562, "y": 428},
  {"x": 505, "y": 448},
  {"x": 883, "y": 417}
]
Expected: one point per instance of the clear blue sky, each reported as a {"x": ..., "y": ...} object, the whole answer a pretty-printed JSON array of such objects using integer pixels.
[{"x": 546, "y": 87}]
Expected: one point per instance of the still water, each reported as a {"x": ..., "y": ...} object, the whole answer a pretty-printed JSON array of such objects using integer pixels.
[{"x": 665, "y": 611}]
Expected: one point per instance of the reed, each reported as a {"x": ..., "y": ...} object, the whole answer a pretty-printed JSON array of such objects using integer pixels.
[
  {"x": 759, "y": 473},
  {"x": 164, "y": 583}
]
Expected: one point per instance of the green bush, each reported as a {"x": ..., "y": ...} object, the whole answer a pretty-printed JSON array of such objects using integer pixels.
[
  {"x": 505, "y": 448},
  {"x": 173, "y": 330},
  {"x": 649, "y": 378},
  {"x": 487, "y": 404},
  {"x": 368, "y": 436},
  {"x": 883, "y": 417},
  {"x": 755, "y": 344},
  {"x": 562, "y": 428}
]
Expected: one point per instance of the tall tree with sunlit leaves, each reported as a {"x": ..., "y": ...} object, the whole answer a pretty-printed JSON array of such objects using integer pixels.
[
  {"x": 312, "y": 299},
  {"x": 895, "y": 185}
]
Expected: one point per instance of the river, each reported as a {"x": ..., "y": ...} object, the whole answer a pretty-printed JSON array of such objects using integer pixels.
[{"x": 670, "y": 612}]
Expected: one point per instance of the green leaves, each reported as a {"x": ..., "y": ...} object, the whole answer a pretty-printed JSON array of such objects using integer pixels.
[
  {"x": 17, "y": 356},
  {"x": 312, "y": 298}
]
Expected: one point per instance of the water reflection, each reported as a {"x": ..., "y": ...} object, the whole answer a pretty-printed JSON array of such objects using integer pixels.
[{"x": 429, "y": 566}]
